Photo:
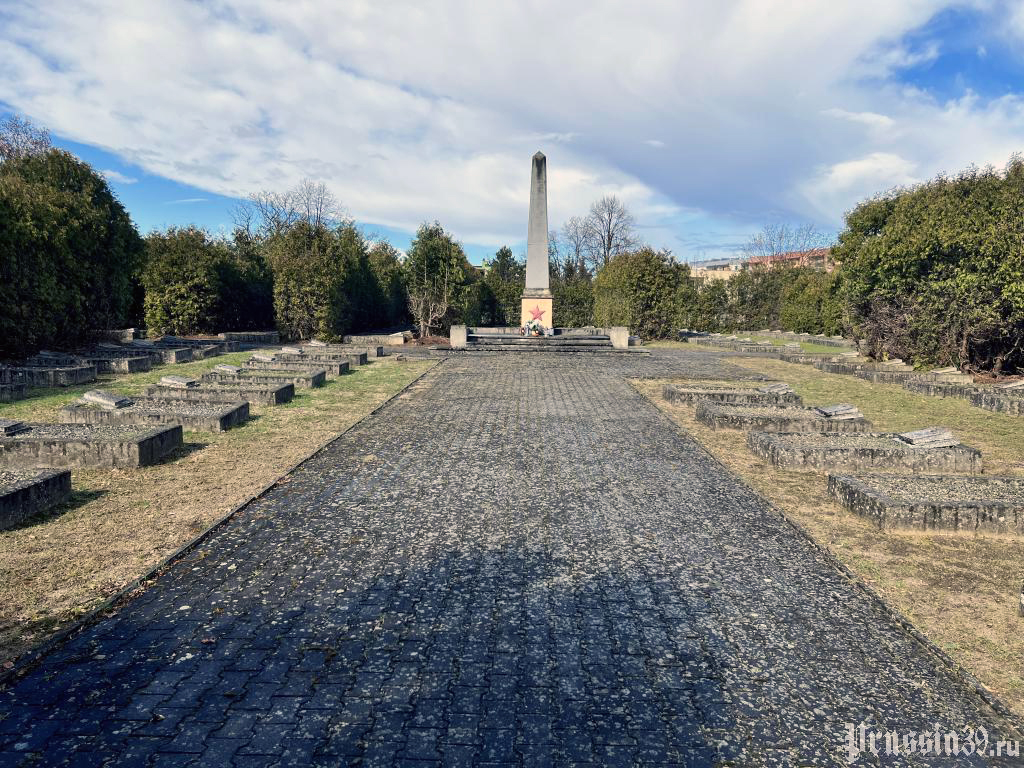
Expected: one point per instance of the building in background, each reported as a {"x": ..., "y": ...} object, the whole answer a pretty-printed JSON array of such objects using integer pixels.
[
  {"x": 716, "y": 269},
  {"x": 816, "y": 258}
]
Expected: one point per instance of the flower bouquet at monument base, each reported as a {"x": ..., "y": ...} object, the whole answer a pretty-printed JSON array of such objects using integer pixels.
[{"x": 533, "y": 328}]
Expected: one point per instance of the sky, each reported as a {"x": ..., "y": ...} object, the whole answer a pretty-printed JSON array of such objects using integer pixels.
[{"x": 709, "y": 118}]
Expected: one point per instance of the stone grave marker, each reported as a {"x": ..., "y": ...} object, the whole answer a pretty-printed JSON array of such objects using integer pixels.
[
  {"x": 11, "y": 427},
  {"x": 292, "y": 350},
  {"x": 317, "y": 343},
  {"x": 930, "y": 437},
  {"x": 178, "y": 382},
  {"x": 1019, "y": 384},
  {"x": 841, "y": 412},
  {"x": 262, "y": 358},
  {"x": 776, "y": 388},
  {"x": 107, "y": 400},
  {"x": 225, "y": 368}
]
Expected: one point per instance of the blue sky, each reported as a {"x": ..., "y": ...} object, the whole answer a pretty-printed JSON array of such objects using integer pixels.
[{"x": 708, "y": 118}]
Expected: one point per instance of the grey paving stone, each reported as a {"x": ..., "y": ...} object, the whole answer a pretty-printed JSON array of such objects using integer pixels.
[{"x": 520, "y": 563}]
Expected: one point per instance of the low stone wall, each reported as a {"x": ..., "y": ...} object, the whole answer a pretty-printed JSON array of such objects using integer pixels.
[
  {"x": 858, "y": 452},
  {"x": 681, "y": 393},
  {"x": 804, "y": 358},
  {"x": 898, "y": 377},
  {"x": 11, "y": 392},
  {"x": 203, "y": 417},
  {"x": 87, "y": 447},
  {"x": 26, "y": 493},
  {"x": 353, "y": 358},
  {"x": 1012, "y": 404},
  {"x": 175, "y": 355},
  {"x": 934, "y": 502},
  {"x": 56, "y": 377},
  {"x": 217, "y": 393},
  {"x": 333, "y": 369},
  {"x": 384, "y": 339},
  {"x": 265, "y": 338},
  {"x": 371, "y": 352},
  {"x": 773, "y": 418},
  {"x": 250, "y": 378},
  {"x": 112, "y": 364}
]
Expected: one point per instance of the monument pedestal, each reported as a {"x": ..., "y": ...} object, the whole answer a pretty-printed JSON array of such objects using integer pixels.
[{"x": 539, "y": 308}]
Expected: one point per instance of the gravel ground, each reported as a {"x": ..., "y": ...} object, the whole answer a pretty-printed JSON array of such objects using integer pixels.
[
  {"x": 80, "y": 432},
  {"x": 792, "y": 412},
  {"x": 521, "y": 561},
  {"x": 193, "y": 407},
  {"x": 12, "y": 478},
  {"x": 949, "y": 488}
]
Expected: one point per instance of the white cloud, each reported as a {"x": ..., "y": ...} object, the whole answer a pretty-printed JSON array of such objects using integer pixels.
[
  {"x": 872, "y": 120},
  {"x": 770, "y": 110},
  {"x": 187, "y": 201},
  {"x": 850, "y": 180},
  {"x": 112, "y": 175}
]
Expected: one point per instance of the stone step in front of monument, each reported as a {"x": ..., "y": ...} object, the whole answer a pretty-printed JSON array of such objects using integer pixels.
[{"x": 510, "y": 342}]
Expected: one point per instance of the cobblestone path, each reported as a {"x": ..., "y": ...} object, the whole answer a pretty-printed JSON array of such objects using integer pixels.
[{"x": 520, "y": 561}]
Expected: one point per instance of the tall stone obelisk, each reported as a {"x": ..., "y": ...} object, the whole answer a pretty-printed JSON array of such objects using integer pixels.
[{"x": 537, "y": 303}]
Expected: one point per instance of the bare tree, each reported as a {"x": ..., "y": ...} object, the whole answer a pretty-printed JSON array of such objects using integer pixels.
[
  {"x": 776, "y": 239},
  {"x": 274, "y": 212},
  {"x": 316, "y": 203},
  {"x": 19, "y": 137},
  {"x": 576, "y": 239},
  {"x": 610, "y": 230}
]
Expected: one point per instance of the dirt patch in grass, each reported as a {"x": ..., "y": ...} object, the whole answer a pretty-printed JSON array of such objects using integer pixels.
[
  {"x": 120, "y": 523},
  {"x": 960, "y": 590}
]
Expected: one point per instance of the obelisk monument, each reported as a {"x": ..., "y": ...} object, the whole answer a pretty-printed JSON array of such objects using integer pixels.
[{"x": 537, "y": 303}]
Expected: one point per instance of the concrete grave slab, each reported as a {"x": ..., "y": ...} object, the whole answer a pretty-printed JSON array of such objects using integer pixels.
[
  {"x": 934, "y": 502},
  {"x": 740, "y": 392},
  {"x": 311, "y": 366},
  {"x": 12, "y": 392},
  {"x": 24, "y": 493},
  {"x": 1010, "y": 402},
  {"x": 107, "y": 400},
  {"x": 178, "y": 382},
  {"x": 62, "y": 376},
  {"x": 251, "y": 377},
  {"x": 774, "y": 418},
  {"x": 856, "y": 452},
  {"x": 114, "y": 364},
  {"x": 214, "y": 392},
  {"x": 205, "y": 417},
  {"x": 88, "y": 446}
]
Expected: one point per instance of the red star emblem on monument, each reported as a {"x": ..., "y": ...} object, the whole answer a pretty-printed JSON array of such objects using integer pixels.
[{"x": 537, "y": 312}]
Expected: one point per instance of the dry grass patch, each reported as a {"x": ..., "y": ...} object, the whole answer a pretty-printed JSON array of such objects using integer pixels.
[
  {"x": 120, "y": 523},
  {"x": 960, "y": 590}
]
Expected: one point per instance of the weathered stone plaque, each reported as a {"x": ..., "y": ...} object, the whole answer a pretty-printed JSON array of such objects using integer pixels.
[
  {"x": 108, "y": 400},
  {"x": 840, "y": 412},
  {"x": 931, "y": 437},
  {"x": 179, "y": 382},
  {"x": 225, "y": 368},
  {"x": 11, "y": 427}
]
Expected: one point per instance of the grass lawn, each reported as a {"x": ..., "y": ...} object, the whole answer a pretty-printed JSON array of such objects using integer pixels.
[
  {"x": 120, "y": 523},
  {"x": 960, "y": 590}
]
